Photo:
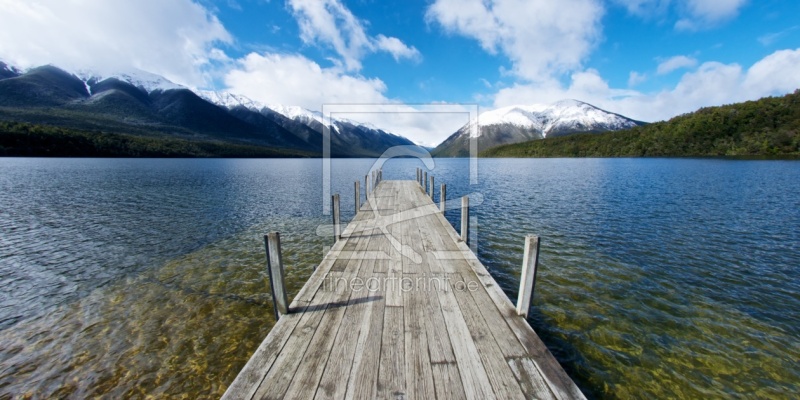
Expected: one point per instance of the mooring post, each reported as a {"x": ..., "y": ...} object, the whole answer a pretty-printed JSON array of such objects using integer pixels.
[
  {"x": 530, "y": 260},
  {"x": 425, "y": 184},
  {"x": 277, "y": 284},
  {"x": 442, "y": 196},
  {"x": 337, "y": 227},
  {"x": 357, "y": 197},
  {"x": 366, "y": 187},
  {"x": 417, "y": 175},
  {"x": 433, "y": 187},
  {"x": 465, "y": 219}
]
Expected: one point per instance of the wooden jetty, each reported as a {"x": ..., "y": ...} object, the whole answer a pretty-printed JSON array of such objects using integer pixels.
[{"x": 401, "y": 308}]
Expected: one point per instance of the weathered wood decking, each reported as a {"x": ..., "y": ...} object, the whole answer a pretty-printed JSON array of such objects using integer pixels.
[{"x": 401, "y": 308}]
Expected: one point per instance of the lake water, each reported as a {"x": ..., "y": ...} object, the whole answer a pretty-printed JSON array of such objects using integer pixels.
[{"x": 659, "y": 278}]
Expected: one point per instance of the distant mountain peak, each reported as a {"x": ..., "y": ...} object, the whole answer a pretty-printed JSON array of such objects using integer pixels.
[
  {"x": 519, "y": 123},
  {"x": 559, "y": 116}
]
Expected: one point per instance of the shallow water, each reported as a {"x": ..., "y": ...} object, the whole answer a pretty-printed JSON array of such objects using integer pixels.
[{"x": 658, "y": 278}]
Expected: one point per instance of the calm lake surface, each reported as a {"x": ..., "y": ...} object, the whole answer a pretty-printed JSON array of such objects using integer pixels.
[{"x": 659, "y": 278}]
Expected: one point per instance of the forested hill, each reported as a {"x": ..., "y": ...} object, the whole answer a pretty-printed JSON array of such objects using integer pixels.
[
  {"x": 767, "y": 127},
  {"x": 28, "y": 140}
]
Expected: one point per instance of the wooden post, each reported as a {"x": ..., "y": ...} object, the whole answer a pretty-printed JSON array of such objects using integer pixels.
[
  {"x": 337, "y": 227},
  {"x": 442, "y": 196},
  {"x": 272, "y": 243},
  {"x": 465, "y": 219},
  {"x": 530, "y": 260},
  {"x": 417, "y": 176},
  {"x": 432, "y": 187},
  {"x": 366, "y": 187},
  {"x": 425, "y": 182},
  {"x": 358, "y": 197}
]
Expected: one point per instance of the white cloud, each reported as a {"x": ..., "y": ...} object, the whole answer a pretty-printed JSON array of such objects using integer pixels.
[
  {"x": 330, "y": 23},
  {"x": 541, "y": 38},
  {"x": 674, "y": 63},
  {"x": 691, "y": 15},
  {"x": 770, "y": 38},
  {"x": 713, "y": 83},
  {"x": 177, "y": 39},
  {"x": 775, "y": 73},
  {"x": 713, "y": 11},
  {"x": 396, "y": 48},
  {"x": 706, "y": 14},
  {"x": 635, "y": 78},
  {"x": 296, "y": 80}
]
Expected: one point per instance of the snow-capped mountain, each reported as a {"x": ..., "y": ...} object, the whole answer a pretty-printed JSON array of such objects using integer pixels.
[
  {"x": 8, "y": 71},
  {"x": 519, "y": 123},
  {"x": 143, "y": 80},
  {"x": 229, "y": 100},
  {"x": 351, "y": 137},
  {"x": 562, "y": 116}
]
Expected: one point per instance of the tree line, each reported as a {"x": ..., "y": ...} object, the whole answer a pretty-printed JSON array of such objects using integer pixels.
[{"x": 768, "y": 127}]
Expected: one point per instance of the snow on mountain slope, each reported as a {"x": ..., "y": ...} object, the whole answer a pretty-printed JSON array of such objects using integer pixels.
[
  {"x": 297, "y": 113},
  {"x": 230, "y": 100},
  {"x": 144, "y": 80},
  {"x": 564, "y": 115},
  {"x": 521, "y": 123}
]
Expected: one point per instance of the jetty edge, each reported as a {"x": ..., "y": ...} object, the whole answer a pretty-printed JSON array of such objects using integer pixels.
[{"x": 400, "y": 307}]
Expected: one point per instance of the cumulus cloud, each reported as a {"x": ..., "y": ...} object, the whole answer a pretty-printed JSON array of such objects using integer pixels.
[
  {"x": 292, "y": 79},
  {"x": 296, "y": 80},
  {"x": 675, "y": 63},
  {"x": 178, "y": 39},
  {"x": 541, "y": 38},
  {"x": 330, "y": 23},
  {"x": 712, "y": 83}
]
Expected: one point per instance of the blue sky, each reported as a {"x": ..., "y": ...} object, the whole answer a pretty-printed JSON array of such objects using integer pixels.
[{"x": 646, "y": 59}]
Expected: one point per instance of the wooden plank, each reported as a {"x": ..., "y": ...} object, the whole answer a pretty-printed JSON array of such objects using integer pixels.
[
  {"x": 280, "y": 376},
  {"x": 473, "y": 375},
  {"x": 431, "y": 342},
  {"x": 530, "y": 260},
  {"x": 307, "y": 378},
  {"x": 391, "y": 376},
  {"x": 364, "y": 373},
  {"x": 333, "y": 384},
  {"x": 418, "y": 372},
  {"x": 448, "y": 381},
  {"x": 503, "y": 381},
  {"x": 530, "y": 379},
  {"x": 246, "y": 383},
  {"x": 277, "y": 283},
  {"x": 559, "y": 383}
]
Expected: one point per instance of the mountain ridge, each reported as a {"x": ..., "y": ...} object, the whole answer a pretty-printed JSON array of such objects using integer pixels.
[
  {"x": 519, "y": 123},
  {"x": 768, "y": 127},
  {"x": 140, "y": 103}
]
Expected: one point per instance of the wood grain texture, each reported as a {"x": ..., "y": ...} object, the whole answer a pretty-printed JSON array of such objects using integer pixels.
[{"x": 401, "y": 308}]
